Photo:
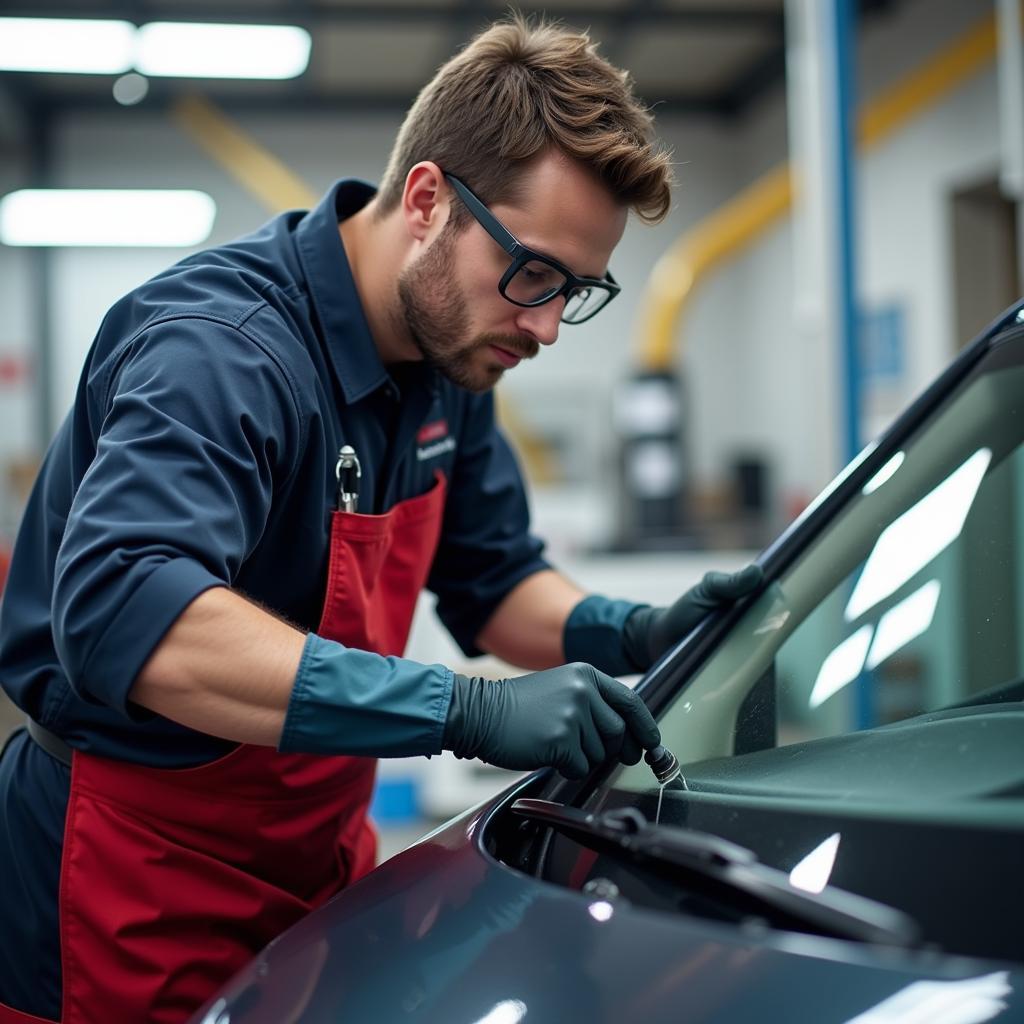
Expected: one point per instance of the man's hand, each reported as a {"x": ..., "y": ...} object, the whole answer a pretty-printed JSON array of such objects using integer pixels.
[
  {"x": 573, "y": 718},
  {"x": 649, "y": 632}
]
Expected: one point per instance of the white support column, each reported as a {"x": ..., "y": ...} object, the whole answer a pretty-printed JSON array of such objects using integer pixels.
[
  {"x": 820, "y": 155},
  {"x": 1011, "y": 115}
]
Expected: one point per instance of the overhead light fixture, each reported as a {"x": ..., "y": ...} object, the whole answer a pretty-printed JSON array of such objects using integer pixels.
[
  {"x": 106, "y": 217},
  {"x": 159, "y": 49},
  {"x": 130, "y": 89},
  {"x": 81, "y": 46},
  {"x": 195, "y": 50}
]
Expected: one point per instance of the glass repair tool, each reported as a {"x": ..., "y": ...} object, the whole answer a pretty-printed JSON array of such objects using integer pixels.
[
  {"x": 665, "y": 767},
  {"x": 666, "y": 770}
]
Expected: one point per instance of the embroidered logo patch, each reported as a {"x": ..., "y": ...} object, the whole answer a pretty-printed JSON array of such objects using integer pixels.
[
  {"x": 432, "y": 432},
  {"x": 433, "y": 440}
]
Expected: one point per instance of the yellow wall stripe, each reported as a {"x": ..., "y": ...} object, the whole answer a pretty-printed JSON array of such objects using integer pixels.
[
  {"x": 724, "y": 233},
  {"x": 258, "y": 170}
]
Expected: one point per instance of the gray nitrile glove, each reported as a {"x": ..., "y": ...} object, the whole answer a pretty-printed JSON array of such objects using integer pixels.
[
  {"x": 572, "y": 718},
  {"x": 649, "y": 632}
]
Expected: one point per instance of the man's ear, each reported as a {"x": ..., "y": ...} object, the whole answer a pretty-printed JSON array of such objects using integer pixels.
[{"x": 426, "y": 201}]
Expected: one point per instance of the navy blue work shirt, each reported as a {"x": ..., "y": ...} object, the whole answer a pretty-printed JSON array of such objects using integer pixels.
[{"x": 201, "y": 451}]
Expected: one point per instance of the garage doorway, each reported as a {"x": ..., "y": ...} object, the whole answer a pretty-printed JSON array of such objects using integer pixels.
[{"x": 985, "y": 257}]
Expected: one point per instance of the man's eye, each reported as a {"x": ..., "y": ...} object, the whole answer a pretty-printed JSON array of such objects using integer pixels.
[
  {"x": 537, "y": 272},
  {"x": 534, "y": 281}
]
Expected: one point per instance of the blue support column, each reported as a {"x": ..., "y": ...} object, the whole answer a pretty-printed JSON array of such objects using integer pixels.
[
  {"x": 843, "y": 46},
  {"x": 839, "y": 55}
]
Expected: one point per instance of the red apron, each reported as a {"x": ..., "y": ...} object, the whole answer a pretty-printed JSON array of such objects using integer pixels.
[{"x": 173, "y": 879}]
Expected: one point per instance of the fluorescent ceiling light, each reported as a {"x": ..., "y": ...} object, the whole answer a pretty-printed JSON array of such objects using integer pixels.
[
  {"x": 128, "y": 217},
  {"x": 909, "y": 543},
  {"x": 904, "y": 622},
  {"x": 193, "y": 50},
  {"x": 71, "y": 45},
  {"x": 842, "y": 666},
  {"x": 813, "y": 872},
  {"x": 161, "y": 48}
]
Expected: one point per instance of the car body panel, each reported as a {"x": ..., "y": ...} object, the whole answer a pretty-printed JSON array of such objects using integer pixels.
[
  {"x": 454, "y": 930},
  {"x": 444, "y": 933}
]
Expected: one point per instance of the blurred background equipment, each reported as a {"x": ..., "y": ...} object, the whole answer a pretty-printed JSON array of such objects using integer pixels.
[{"x": 766, "y": 330}]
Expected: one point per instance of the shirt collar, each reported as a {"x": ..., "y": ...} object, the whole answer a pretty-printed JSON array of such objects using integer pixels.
[{"x": 349, "y": 342}]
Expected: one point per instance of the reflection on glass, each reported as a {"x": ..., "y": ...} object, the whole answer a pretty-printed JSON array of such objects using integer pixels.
[
  {"x": 813, "y": 872},
  {"x": 970, "y": 1001},
  {"x": 842, "y": 666},
  {"x": 601, "y": 910},
  {"x": 908, "y": 544},
  {"x": 887, "y": 472},
  {"x": 508, "y": 1011},
  {"x": 904, "y": 622}
]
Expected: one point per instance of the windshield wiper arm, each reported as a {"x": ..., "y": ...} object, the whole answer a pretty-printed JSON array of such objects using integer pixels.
[{"x": 727, "y": 871}]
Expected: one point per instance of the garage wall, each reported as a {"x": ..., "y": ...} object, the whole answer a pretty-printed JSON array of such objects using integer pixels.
[
  {"x": 904, "y": 188},
  {"x": 746, "y": 366},
  {"x": 17, "y": 404}
]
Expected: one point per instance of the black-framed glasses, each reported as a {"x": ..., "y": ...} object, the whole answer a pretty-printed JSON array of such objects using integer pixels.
[{"x": 533, "y": 279}]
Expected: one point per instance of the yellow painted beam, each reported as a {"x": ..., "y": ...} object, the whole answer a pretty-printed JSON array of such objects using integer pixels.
[
  {"x": 922, "y": 88},
  {"x": 268, "y": 179},
  {"x": 719, "y": 237},
  {"x": 727, "y": 231}
]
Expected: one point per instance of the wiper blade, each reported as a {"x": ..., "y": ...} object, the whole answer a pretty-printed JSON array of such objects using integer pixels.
[{"x": 727, "y": 871}]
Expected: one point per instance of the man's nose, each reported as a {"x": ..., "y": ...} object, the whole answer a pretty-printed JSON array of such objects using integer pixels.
[{"x": 542, "y": 322}]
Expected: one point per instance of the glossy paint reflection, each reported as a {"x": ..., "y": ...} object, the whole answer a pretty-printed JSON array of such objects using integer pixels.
[
  {"x": 813, "y": 872},
  {"x": 969, "y": 1001}
]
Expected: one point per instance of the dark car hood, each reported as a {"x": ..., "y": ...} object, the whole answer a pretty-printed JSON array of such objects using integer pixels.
[{"x": 444, "y": 933}]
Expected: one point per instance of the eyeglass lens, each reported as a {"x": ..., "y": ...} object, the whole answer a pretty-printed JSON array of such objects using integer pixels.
[
  {"x": 533, "y": 282},
  {"x": 536, "y": 281},
  {"x": 584, "y": 303}
]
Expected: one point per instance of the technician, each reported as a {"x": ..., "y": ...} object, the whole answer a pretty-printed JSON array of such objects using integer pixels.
[{"x": 275, "y": 445}]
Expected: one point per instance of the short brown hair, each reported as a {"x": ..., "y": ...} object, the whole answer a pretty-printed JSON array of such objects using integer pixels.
[{"x": 516, "y": 90}]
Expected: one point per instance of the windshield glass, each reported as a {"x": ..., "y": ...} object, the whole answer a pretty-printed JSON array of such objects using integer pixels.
[
  {"x": 859, "y": 726},
  {"x": 910, "y": 602}
]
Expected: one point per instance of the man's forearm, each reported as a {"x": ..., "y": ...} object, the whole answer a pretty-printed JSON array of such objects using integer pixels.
[
  {"x": 225, "y": 667},
  {"x": 527, "y": 627}
]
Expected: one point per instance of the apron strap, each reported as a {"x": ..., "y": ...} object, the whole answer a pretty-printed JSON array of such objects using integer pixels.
[{"x": 49, "y": 741}]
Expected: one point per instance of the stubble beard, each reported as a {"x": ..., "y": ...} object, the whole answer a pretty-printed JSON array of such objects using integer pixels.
[{"x": 434, "y": 312}]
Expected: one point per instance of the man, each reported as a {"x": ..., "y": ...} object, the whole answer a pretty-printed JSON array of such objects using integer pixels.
[{"x": 275, "y": 446}]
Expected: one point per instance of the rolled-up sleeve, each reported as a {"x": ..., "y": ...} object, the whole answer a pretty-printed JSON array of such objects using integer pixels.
[
  {"x": 200, "y": 423},
  {"x": 486, "y": 547}
]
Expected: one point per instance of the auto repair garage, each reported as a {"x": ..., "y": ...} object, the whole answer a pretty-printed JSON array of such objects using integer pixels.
[{"x": 512, "y": 513}]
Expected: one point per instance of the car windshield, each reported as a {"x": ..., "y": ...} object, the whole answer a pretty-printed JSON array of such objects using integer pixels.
[{"x": 885, "y": 663}]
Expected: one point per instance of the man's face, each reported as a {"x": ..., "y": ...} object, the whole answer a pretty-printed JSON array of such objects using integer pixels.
[{"x": 449, "y": 299}]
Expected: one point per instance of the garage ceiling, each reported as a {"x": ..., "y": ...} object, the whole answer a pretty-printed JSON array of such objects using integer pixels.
[{"x": 693, "y": 56}]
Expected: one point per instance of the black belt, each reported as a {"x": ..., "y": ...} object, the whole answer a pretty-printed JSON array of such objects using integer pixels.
[{"x": 49, "y": 741}]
